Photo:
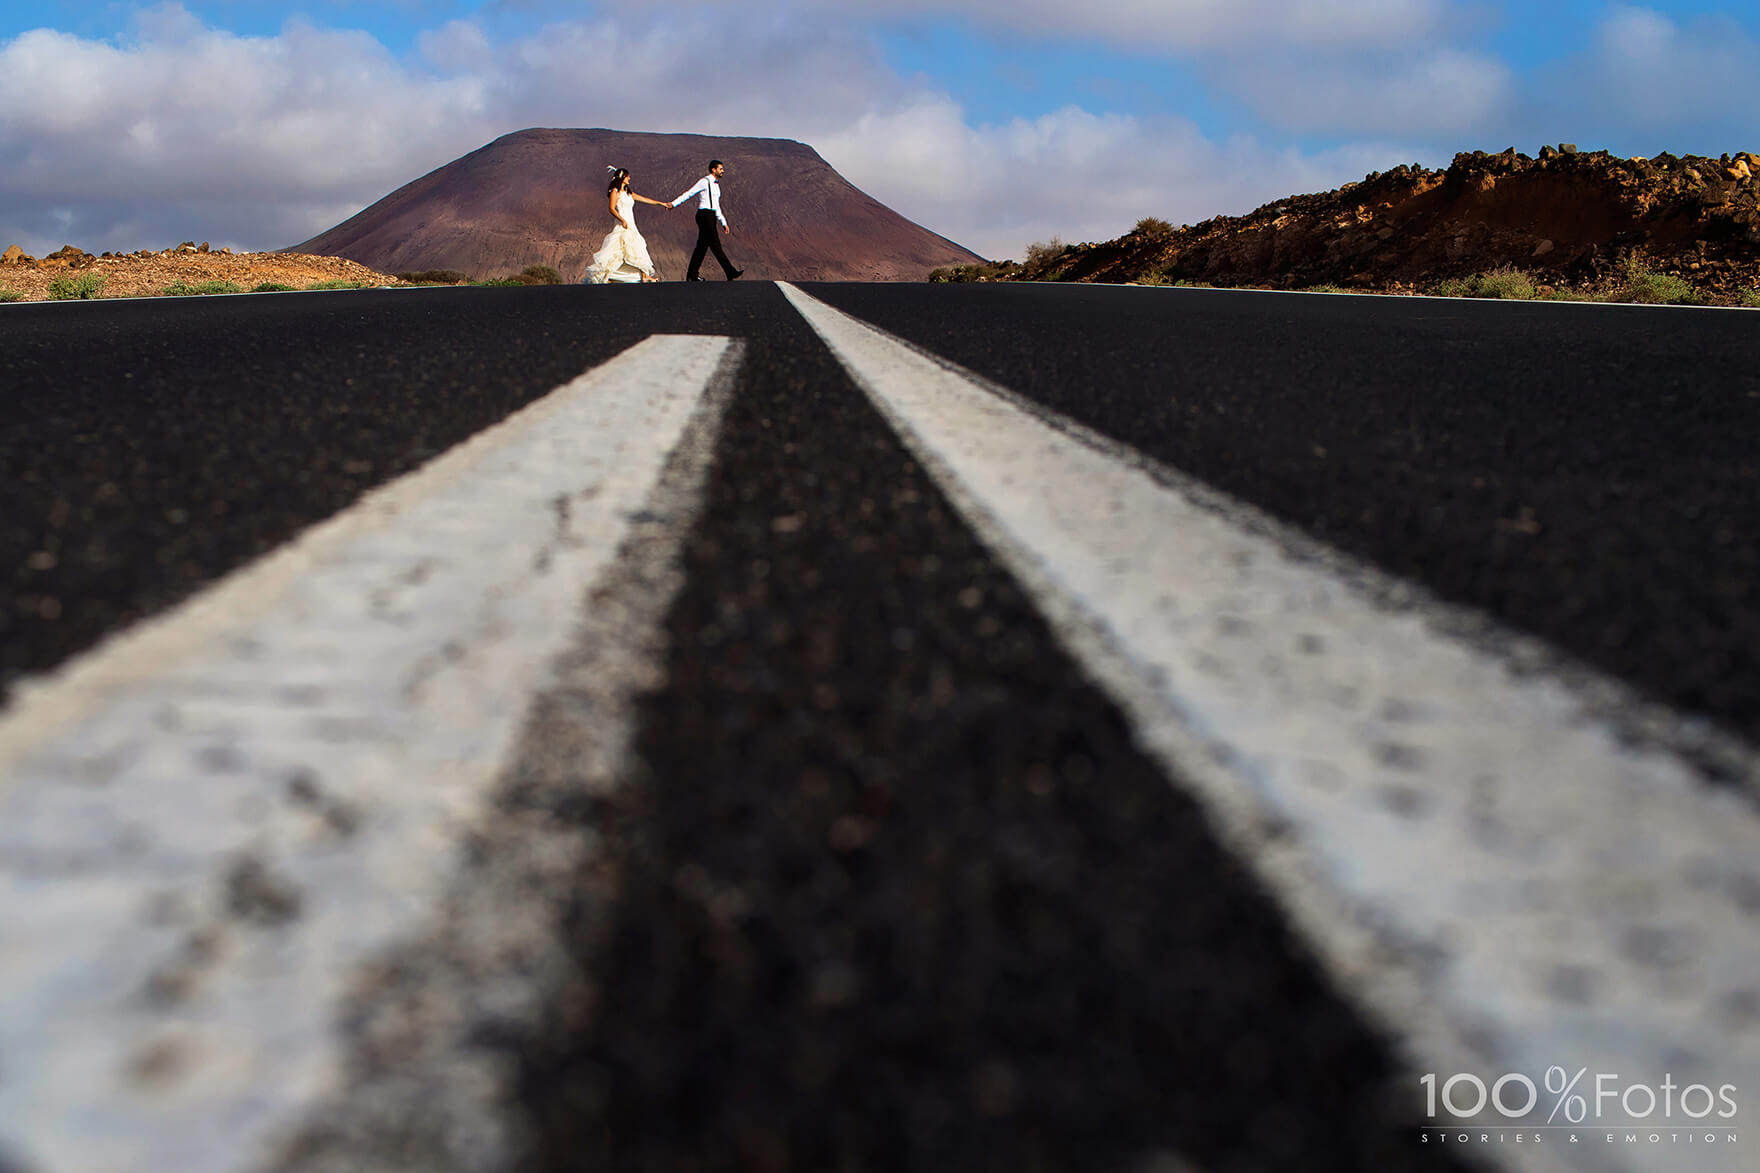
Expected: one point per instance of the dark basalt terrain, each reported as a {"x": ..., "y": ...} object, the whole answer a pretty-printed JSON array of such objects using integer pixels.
[{"x": 1570, "y": 219}]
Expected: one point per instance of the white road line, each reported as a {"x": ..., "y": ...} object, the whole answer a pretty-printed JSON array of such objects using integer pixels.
[
  {"x": 211, "y": 822},
  {"x": 1479, "y": 860}
]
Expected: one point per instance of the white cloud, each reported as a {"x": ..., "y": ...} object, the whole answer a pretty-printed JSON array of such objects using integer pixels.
[
  {"x": 1644, "y": 83},
  {"x": 198, "y": 132},
  {"x": 1649, "y": 72},
  {"x": 189, "y": 131},
  {"x": 456, "y": 45},
  {"x": 184, "y": 131},
  {"x": 1070, "y": 174},
  {"x": 1437, "y": 94},
  {"x": 1638, "y": 34},
  {"x": 1179, "y": 25}
]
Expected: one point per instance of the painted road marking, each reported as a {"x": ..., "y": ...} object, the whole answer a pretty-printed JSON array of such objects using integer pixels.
[
  {"x": 209, "y": 823},
  {"x": 1478, "y": 858}
]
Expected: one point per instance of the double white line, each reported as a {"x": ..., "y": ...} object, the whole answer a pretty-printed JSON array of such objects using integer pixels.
[{"x": 211, "y": 824}]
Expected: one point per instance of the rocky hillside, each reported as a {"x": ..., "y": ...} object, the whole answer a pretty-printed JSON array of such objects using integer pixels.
[
  {"x": 185, "y": 268},
  {"x": 537, "y": 197},
  {"x": 1571, "y": 220}
]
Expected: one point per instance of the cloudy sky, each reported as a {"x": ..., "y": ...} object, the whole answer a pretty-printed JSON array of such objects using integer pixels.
[{"x": 257, "y": 123}]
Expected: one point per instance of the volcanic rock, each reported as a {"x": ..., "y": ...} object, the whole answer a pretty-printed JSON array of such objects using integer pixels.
[
  {"x": 68, "y": 257},
  {"x": 1570, "y": 218},
  {"x": 537, "y": 197}
]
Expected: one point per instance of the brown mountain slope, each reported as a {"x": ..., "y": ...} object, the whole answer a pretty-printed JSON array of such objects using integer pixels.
[
  {"x": 1570, "y": 219},
  {"x": 537, "y": 197}
]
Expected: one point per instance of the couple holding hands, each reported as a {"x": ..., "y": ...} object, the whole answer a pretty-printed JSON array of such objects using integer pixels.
[{"x": 624, "y": 255}]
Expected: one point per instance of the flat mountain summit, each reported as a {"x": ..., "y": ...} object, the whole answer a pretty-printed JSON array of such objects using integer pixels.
[
  {"x": 1568, "y": 220},
  {"x": 537, "y": 197}
]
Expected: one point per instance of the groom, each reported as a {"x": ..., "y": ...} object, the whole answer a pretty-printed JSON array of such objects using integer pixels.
[{"x": 708, "y": 193}]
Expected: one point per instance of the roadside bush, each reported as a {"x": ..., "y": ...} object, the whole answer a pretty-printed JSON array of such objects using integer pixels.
[
  {"x": 10, "y": 295},
  {"x": 184, "y": 289},
  {"x": 1652, "y": 288},
  {"x": 984, "y": 271},
  {"x": 496, "y": 282},
  {"x": 538, "y": 275},
  {"x": 1326, "y": 287},
  {"x": 1505, "y": 283},
  {"x": 271, "y": 287},
  {"x": 76, "y": 286},
  {"x": 435, "y": 277},
  {"x": 1152, "y": 227},
  {"x": 335, "y": 284},
  {"x": 1749, "y": 297},
  {"x": 1040, "y": 252}
]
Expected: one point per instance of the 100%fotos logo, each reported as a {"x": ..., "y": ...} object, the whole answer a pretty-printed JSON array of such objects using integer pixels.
[{"x": 1515, "y": 1097}]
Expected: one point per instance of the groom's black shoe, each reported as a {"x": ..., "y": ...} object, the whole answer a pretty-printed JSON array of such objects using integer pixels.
[
  {"x": 736, "y": 273},
  {"x": 693, "y": 278}
]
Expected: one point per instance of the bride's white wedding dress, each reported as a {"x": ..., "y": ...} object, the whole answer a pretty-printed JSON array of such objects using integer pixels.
[{"x": 624, "y": 255}]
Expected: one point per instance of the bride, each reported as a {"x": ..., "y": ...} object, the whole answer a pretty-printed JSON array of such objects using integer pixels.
[{"x": 624, "y": 255}]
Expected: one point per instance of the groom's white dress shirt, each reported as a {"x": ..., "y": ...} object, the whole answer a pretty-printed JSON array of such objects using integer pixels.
[{"x": 708, "y": 193}]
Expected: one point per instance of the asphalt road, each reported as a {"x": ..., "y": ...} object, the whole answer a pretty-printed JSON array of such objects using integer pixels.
[
  {"x": 979, "y": 929},
  {"x": 1585, "y": 473}
]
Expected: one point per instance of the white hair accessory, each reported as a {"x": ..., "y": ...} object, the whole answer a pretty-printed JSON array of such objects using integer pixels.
[{"x": 611, "y": 168}]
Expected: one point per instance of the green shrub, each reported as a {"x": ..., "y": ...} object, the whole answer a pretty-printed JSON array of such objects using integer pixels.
[
  {"x": 1652, "y": 288},
  {"x": 76, "y": 286},
  {"x": 184, "y": 289},
  {"x": 1745, "y": 297},
  {"x": 435, "y": 277},
  {"x": 1327, "y": 287},
  {"x": 335, "y": 284},
  {"x": 271, "y": 287},
  {"x": 1505, "y": 283},
  {"x": 1509, "y": 284},
  {"x": 10, "y": 295},
  {"x": 1153, "y": 228},
  {"x": 1183, "y": 283},
  {"x": 497, "y": 282}
]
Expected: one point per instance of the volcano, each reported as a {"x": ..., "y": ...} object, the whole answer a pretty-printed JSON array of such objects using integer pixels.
[{"x": 537, "y": 197}]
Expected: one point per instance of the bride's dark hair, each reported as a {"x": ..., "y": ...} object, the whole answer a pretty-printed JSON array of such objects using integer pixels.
[{"x": 618, "y": 176}]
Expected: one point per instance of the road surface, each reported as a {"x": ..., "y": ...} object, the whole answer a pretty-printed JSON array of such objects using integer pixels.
[{"x": 876, "y": 727}]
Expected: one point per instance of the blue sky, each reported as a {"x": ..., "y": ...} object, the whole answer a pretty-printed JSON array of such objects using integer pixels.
[{"x": 996, "y": 122}]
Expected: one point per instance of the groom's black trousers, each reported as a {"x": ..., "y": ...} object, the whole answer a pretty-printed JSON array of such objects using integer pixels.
[{"x": 708, "y": 237}]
